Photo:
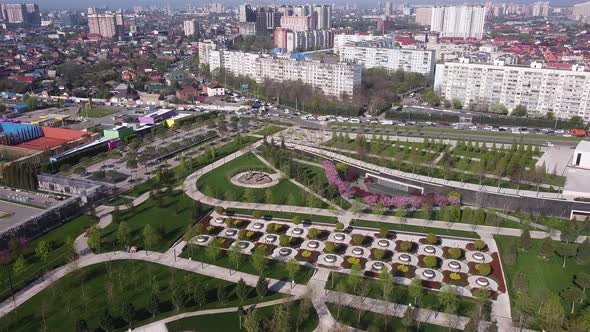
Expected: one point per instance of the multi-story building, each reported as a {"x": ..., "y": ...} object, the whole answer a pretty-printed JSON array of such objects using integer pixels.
[
  {"x": 581, "y": 12},
  {"x": 267, "y": 19},
  {"x": 341, "y": 40},
  {"x": 16, "y": 13},
  {"x": 303, "y": 10},
  {"x": 301, "y": 41},
  {"x": 191, "y": 27},
  {"x": 388, "y": 10},
  {"x": 102, "y": 24},
  {"x": 296, "y": 23},
  {"x": 247, "y": 28},
  {"x": 458, "y": 21},
  {"x": 566, "y": 93},
  {"x": 324, "y": 16},
  {"x": 333, "y": 79},
  {"x": 541, "y": 9},
  {"x": 246, "y": 14},
  {"x": 370, "y": 56},
  {"x": 424, "y": 15}
]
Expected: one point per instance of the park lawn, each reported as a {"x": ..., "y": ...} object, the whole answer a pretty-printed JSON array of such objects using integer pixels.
[
  {"x": 83, "y": 295},
  {"x": 168, "y": 213},
  {"x": 98, "y": 112},
  {"x": 217, "y": 183},
  {"x": 275, "y": 269},
  {"x": 411, "y": 228},
  {"x": 400, "y": 294},
  {"x": 311, "y": 173},
  {"x": 269, "y": 215},
  {"x": 373, "y": 321},
  {"x": 229, "y": 322},
  {"x": 544, "y": 275},
  {"x": 58, "y": 255},
  {"x": 121, "y": 200},
  {"x": 269, "y": 130}
]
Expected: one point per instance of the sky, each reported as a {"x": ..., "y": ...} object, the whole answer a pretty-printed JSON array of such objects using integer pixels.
[{"x": 126, "y": 4}]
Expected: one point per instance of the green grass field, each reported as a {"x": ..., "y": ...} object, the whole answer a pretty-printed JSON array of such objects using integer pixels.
[
  {"x": 544, "y": 275},
  {"x": 168, "y": 213},
  {"x": 275, "y": 269},
  {"x": 85, "y": 294},
  {"x": 286, "y": 215},
  {"x": 410, "y": 228},
  {"x": 217, "y": 184},
  {"x": 34, "y": 267},
  {"x": 229, "y": 322}
]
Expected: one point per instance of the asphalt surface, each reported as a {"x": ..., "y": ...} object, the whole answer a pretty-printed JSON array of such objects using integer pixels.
[{"x": 20, "y": 213}]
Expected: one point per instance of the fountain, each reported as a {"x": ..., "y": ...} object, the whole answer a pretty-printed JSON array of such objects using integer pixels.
[
  {"x": 220, "y": 220},
  {"x": 429, "y": 249},
  {"x": 484, "y": 282},
  {"x": 479, "y": 256},
  {"x": 339, "y": 237},
  {"x": 383, "y": 243},
  {"x": 428, "y": 274},
  {"x": 313, "y": 244},
  {"x": 297, "y": 231},
  {"x": 257, "y": 225},
  {"x": 231, "y": 232},
  {"x": 243, "y": 245},
  {"x": 285, "y": 251},
  {"x": 454, "y": 265},
  {"x": 270, "y": 238},
  {"x": 330, "y": 258},
  {"x": 378, "y": 266},
  {"x": 405, "y": 258},
  {"x": 358, "y": 251},
  {"x": 202, "y": 238}
]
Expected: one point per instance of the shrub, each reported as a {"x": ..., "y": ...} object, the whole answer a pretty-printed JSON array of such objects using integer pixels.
[
  {"x": 405, "y": 246},
  {"x": 210, "y": 229},
  {"x": 242, "y": 234},
  {"x": 237, "y": 222},
  {"x": 313, "y": 233},
  {"x": 483, "y": 268},
  {"x": 296, "y": 220},
  {"x": 257, "y": 214},
  {"x": 383, "y": 231},
  {"x": 358, "y": 239},
  {"x": 306, "y": 253},
  {"x": 250, "y": 234},
  {"x": 430, "y": 261},
  {"x": 454, "y": 195},
  {"x": 277, "y": 227},
  {"x": 330, "y": 247},
  {"x": 379, "y": 253},
  {"x": 431, "y": 238},
  {"x": 220, "y": 240},
  {"x": 229, "y": 222},
  {"x": 455, "y": 276},
  {"x": 455, "y": 253},
  {"x": 284, "y": 240},
  {"x": 339, "y": 226},
  {"x": 219, "y": 210},
  {"x": 353, "y": 260},
  {"x": 479, "y": 244},
  {"x": 403, "y": 268}
]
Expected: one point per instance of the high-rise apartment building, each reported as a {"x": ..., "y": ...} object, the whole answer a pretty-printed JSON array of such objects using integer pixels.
[
  {"x": 458, "y": 21},
  {"x": 541, "y": 9},
  {"x": 324, "y": 16},
  {"x": 246, "y": 14},
  {"x": 191, "y": 27},
  {"x": 341, "y": 40},
  {"x": 424, "y": 15},
  {"x": 23, "y": 14},
  {"x": 388, "y": 10},
  {"x": 333, "y": 79},
  {"x": 370, "y": 56},
  {"x": 102, "y": 24},
  {"x": 566, "y": 93},
  {"x": 300, "y": 41},
  {"x": 581, "y": 12},
  {"x": 296, "y": 23}
]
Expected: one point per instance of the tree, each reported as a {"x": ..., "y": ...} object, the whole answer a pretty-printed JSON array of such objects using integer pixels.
[
  {"x": 150, "y": 237},
  {"x": 252, "y": 321},
  {"x": 292, "y": 268},
  {"x": 242, "y": 290},
  {"x": 235, "y": 256},
  {"x": 123, "y": 233},
  {"x": 296, "y": 220},
  {"x": 431, "y": 238},
  {"x": 250, "y": 195},
  {"x": 409, "y": 317},
  {"x": 457, "y": 104},
  {"x": 178, "y": 298},
  {"x": 386, "y": 283},
  {"x": 94, "y": 238},
  {"x": 304, "y": 310},
  {"x": 259, "y": 261},
  {"x": 261, "y": 286},
  {"x": 106, "y": 321},
  {"x": 280, "y": 318},
  {"x": 571, "y": 295},
  {"x": 583, "y": 281},
  {"x": 546, "y": 249},
  {"x": 566, "y": 250},
  {"x": 81, "y": 326},
  {"x": 153, "y": 306},
  {"x": 448, "y": 299},
  {"x": 213, "y": 251},
  {"x": 268, "y": 196},
  {"x": 551, "y": 313},
  {"x": 339, "y": 226},
  {"x": 519, "y": 110},
  {"x": 416, "y": 291},
  {"x": 128, "y": 313},
  {"x": 200, "y": 295},
  {"x": 19, "y": 266},
  {"x": 525, "y": 239},
  {"x": 355, "y": 276},
  {"x": 42, "y": 251}
]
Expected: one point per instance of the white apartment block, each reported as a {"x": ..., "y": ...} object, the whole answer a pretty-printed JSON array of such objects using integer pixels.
[
  {"x": 458, "y": 21},
  {"x": 410, "y": 60},
  {"x": 191, "y": 27},
  {"x": 333, "y": 79},
  {"x": 566, "y": 93},
  {"x": 341, "y": 40}
]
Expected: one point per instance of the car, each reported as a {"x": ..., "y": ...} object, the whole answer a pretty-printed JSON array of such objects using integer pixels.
[{"x": 549, "y": 144}]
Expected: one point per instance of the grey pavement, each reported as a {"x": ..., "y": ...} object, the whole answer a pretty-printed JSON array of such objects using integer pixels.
[{"x": 16, "y": 214}]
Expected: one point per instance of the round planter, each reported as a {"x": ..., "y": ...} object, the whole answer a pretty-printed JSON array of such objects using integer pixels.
[
  {"x": 202, "y": 238},
  {"x": 454, "y": 265},
  {"x": 297, "y": 231},
  {"x": 479, "y": 256},
  {"x": 429, "y": 250},
  {"x": 231, "y": 232},
  {"x": 383, "y": 243},
  {"x": 258, "y": 225},
  {"x": 358, "y": 251},
  {"x": 270, "y": 238},
  {"x": 285, "y": 251},
  {"x": 313, "y": 244},
  {"x": 378, "y": 266},
  {"x": 428, "y": 274},
  {"x": 484, "y": 282},
  {"x": 339, "y": 237},
  {"x": 405, "y": 258},
  {"x": 243, "y": 244},
  {"x": 330, "y": 259}
]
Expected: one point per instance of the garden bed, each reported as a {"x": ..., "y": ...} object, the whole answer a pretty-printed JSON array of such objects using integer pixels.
[
  {"x": 447, "y": 255},
  {"x": 413, "y": 247},
  {"x": 308, "y": 256},
  {"x": 423, "y": 265},
  {"x": 455, "y": 278},
  {"x": 348, "y": 262},
  {"x": 387, "y": 254},
  {"x": 410, "y": 273}
]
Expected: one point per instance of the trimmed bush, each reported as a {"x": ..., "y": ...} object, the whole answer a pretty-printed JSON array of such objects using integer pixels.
[
  {"x": 330, "y": 247},
  {"x": 405, "y": 246},
  {"x": 383, "y": 231},
  {"x": 455, "y": 253},
  {"x": 219, "y": 210},
  {"x": 306, "y": 253},
  {"x": 455, "y": 276},
  {"x": 479, "y": 244},
  {"x": 353, "y": 260},
  {"x": 483, "y": 268},
  {"x": 296, "y": 220},
  {"x": 378, "y": 254},
  {"x": 403, "y": 268},
  {"x": 313, "y": 233},
  {"x": 431, "y": 238},
  {"x": 430, "y": 261},
  {"x": 358, "y": 239}
]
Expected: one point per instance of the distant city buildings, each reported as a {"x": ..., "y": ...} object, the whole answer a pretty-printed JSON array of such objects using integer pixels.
[
  {"x": 424, "y": 15},
  {"x": 566, "y": 93},
  {"x": 373, "y": 56},
  {"x": 341, "y": 40},
  {"x": 458, "y": 21},
  {"x": 300, "y": 41},
  {"x": 541, "y": 9},
  {"x": 22, "y": 14},
  {"x": 581, "y": 12},
  {"x": 191, "y": 27}
]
